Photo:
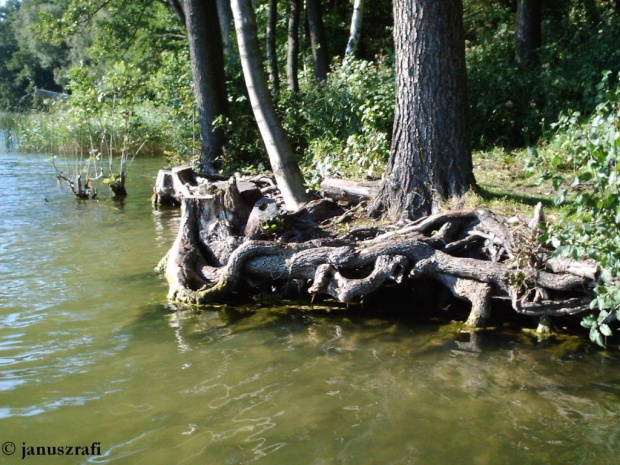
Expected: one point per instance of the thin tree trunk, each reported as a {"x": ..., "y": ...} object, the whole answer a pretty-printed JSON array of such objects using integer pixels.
[
  {"x": 356, "y": 29},
  {"x": 591, "y": 11},
  {"x": 529, "y": 30},
  {"x": 285, "y": 168},
  {"x": 292, "y": 57},
  {"x": 205, "y": 45},
  {"x": 178, "y": 10},
  {"x": 272, "y": 56},
  {"x": 430, "y": 157},
  {"x": 318, "y": 39},
  {"x": 224, "y": 14}
]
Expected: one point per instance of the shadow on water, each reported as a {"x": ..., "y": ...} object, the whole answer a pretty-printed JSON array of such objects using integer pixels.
[{"x": 428, "y": 331}]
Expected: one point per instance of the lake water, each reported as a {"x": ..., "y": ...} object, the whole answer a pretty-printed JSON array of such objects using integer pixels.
[{"x": 90, "y": 351}]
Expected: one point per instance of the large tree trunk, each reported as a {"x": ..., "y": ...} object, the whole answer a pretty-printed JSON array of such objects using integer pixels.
[
  {"x": 356, "y": 29},
  {"x": 318, "y": 39},
  {"x": 430, "y": 157},
  {"x": 292, "y": 57},
  {"x": 285, "y": 168},
  {"x": 205, "y": 45},
  {"x": 224, "y": 14},
  {"x": 529, "y": 30},
  {"x": 272, "y": 56}
]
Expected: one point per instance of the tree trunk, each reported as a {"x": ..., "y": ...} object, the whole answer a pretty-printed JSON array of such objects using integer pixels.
[
  {"x": 318, "y": 39},
  {"x": 292, "y": 57},
  {"x": 224, "y": 14},
  {"x": 272, "y": 56},
  {"x": 529, "y": 30},
  {"x": 178, "y": 10},
  {"x": 591, "y": 11},
  {"x": 205, "y": 45},
  {"x": 285, "y": 168},
  {"x": 356, "y": 29},
  {"x": 430, "y": 157}
]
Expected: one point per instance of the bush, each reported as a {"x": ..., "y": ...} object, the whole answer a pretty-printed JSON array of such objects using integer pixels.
[
  {"x": 584, "y": 153},
  {"x": 510, "y": 104},
  {"x": 343, "y": 127}
]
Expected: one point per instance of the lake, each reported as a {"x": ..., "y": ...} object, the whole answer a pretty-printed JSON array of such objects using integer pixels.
[{"x": 91, "y": 352}]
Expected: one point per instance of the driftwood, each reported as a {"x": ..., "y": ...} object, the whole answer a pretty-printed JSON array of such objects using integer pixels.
[
  {"x": 82, "y": 189},
  {"x": 228, "y": 242}
]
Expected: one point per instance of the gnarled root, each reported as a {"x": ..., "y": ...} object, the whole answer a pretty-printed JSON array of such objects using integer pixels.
[
  {"x": 328, "y": 280},
  {"x": 473, "y": 253}
]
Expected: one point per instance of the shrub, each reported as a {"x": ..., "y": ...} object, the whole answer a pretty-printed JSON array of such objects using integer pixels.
[
  {"x": 510, "y": 104},
  {"x": 343, "y": 127},
  {"x": 584, "y": 153}
]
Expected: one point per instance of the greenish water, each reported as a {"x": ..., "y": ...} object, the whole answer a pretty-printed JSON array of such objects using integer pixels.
[{"x": 91, "y": 352}]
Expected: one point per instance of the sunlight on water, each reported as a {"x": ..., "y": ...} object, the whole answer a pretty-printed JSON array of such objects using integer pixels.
[{"x": 91, "y": 352}]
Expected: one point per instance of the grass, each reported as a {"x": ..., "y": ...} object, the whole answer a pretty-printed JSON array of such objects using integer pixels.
[{"x": 506, "y": 187}]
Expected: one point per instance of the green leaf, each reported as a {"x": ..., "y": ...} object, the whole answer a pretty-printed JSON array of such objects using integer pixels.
[
  {"x": 601, "y": 316},
  {"x": 606, "y": 330},
  {"x": 588, "y": 322},
  {"x": 598, "y": 338}
]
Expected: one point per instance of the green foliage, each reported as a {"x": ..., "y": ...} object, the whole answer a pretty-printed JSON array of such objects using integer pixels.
[
  {"x": 343, "y": 127},
  {"x": 128, "y": 76},
  {"x": 26, "y": 63},
  {"x": 274, "y": 226},
  {"x": 99, "y": 113},
  {"x": 511, "y": 104},
  {"x": 584, "y": 154},
  {"x": 9, "y": 123}
]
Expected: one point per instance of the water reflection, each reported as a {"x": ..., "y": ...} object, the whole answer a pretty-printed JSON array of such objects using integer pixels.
[
  {"x": 165, "y": 220},
  {"x": 90, "y": 351},
  {"x": 338, "y": 388}
]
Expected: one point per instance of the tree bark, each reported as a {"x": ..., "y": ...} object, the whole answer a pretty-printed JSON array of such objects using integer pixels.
[
  {"x": 430, "y": 157},
  {"x": 529, "y": 30},
  {"x": 224, "y": 14},
  {"x": 206, "y": 51},
  {"x": 272, "y": 56},
  {"x": 318, "y": 39},
  {"x": 223, "y": 242},
  {"x": 356, "y": 29},
  {"x": 281, "y": 157},
  {"x": 292, "y": 57},
  {"x": 209, "y": 259},
  {"x": 355, "y": 192}
]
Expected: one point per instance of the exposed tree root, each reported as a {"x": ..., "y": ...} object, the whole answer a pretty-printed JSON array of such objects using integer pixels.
[{"x": 226, "y": 238}]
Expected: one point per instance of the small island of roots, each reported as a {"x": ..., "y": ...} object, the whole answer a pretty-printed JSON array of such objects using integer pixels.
[{"x": 236, "y": 236}]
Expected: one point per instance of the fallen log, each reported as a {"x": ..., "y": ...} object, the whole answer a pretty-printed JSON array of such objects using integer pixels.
[
  {"x": 228, "y": 242},
  {"x": 351, "y": 191}
]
